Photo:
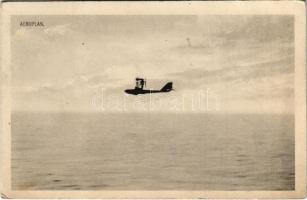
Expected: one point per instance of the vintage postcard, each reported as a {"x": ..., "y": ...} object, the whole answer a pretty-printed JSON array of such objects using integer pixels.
[{"x": 153, "y": 100}]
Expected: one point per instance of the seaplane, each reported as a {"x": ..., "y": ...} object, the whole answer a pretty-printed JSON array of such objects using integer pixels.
[{"x": 140, "y": 83}]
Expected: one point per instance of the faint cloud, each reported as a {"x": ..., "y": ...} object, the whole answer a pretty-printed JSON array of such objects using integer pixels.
[
  {"x": 21, "y": 32},
  {"x": 58, "y": 30},
  {"x": 24, "y": 33},
  {"x": 238, "y": 72}
]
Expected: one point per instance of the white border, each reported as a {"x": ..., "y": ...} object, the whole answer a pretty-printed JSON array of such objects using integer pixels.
[{"x": 162, "y": 8}]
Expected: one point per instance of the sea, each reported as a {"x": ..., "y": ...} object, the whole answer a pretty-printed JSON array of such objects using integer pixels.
[{"x": 152, "y": 151}]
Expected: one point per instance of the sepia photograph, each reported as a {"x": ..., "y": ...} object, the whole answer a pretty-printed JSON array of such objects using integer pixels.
[{"x": 172, "y": 102}]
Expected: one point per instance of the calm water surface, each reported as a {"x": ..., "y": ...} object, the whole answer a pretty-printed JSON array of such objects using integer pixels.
[{"x": 86, "y": 151}]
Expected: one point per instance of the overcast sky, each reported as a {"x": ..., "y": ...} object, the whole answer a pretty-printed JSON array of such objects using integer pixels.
[{"x": 247, "y": 62}]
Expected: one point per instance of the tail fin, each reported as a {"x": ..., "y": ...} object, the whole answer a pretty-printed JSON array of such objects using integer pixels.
[{"x": 168, "y": 87}]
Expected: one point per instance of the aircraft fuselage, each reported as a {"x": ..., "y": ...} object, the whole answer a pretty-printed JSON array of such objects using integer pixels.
[
  {"x": 167, "y": 88},
  {"x": 138, "y": 91}
]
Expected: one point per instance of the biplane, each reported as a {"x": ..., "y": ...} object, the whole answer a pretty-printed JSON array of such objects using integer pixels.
[{"x": 140, "y": 83}]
